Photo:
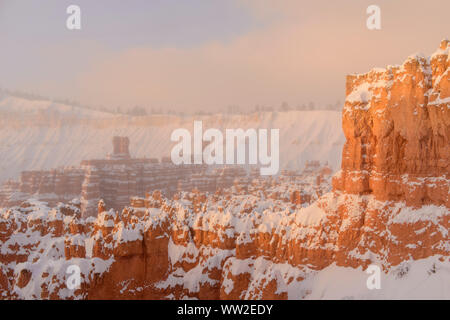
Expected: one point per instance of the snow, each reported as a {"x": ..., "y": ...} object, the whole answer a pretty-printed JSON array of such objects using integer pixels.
[
  {"x": 310, "y": 216},
  {"x": 191, "y": 263},
  {"x": 440, "y": 101},
  {"x": 24, "y": 107},
  {"x": 419, "y": 282},
  {"x": 425, "y": 213},
  {"x": 362, "y": 94},
  {"x": 57, "y": 267},
  {"x": 440, "y": 52},
  {"x": 33, "y": 145}
]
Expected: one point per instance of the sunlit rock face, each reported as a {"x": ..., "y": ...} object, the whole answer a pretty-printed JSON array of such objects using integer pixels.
[
  {"x": 389, "y": 207},
  {"x": 397, "y": 124}
]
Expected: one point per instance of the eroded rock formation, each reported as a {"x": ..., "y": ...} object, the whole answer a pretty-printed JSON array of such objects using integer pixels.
[
  {"x": 389, "y": 207},
  {"x": 115, "y": 180},
  {"x": 397, "y": 124}
]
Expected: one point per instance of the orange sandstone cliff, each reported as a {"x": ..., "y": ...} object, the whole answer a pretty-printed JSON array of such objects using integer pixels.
[
  {"x": 389, "y": 206},
  {"x": 396, "y": 121}
]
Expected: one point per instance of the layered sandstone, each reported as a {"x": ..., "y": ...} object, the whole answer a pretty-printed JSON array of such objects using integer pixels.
[
  {"x": 115, "y": 180},
  {"x": 227, "y": 247},
  {"x": 148, "y": 249},
  {"x": 261, "y": 240},
  {"x": 397, "y": 124}
]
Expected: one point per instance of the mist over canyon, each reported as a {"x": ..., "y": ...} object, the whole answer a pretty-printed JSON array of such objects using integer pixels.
[{"x": 305, "y": 234}]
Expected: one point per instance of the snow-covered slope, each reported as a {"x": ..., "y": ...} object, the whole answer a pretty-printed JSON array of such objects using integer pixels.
[
  {"x": 10, "y": 104},
  {"x": 37, "y": 135},
  {"x": 230, "y": 246}
]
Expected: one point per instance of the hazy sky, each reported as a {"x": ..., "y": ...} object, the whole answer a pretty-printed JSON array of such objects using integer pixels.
[{"x": 207, "y": 54}]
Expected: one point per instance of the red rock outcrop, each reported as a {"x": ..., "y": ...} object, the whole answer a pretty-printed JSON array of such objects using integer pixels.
[
  {"x": 121, "y": 147},
  {"x": 115, "y": 180},
  {"x": 397, "y": 124},
  {"x": 389, "y": 206}
]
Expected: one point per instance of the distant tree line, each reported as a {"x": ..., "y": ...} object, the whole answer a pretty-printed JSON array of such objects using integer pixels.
[{"x": 140, "y": 111}]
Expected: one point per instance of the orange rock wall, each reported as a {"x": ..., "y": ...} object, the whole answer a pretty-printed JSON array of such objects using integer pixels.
[{"x": 397, "y": 124}]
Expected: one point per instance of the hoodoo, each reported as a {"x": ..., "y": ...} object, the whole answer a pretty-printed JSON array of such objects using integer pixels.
[
  {"x": 397, "y": 124},
  {"x": 389, "y": 207}
]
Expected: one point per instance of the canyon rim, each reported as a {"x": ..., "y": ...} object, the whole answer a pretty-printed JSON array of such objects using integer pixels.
[{"x": 388, "y": 206}]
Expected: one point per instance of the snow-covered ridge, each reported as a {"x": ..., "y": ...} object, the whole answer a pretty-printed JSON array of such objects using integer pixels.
[
  {"x": 55, "y": 135},
  {"x": 296, "y": 250},
  {"x": 367, "y": 89},
  {"x": 443, "y": 50},
  {"x": 14, "y": 105}
]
